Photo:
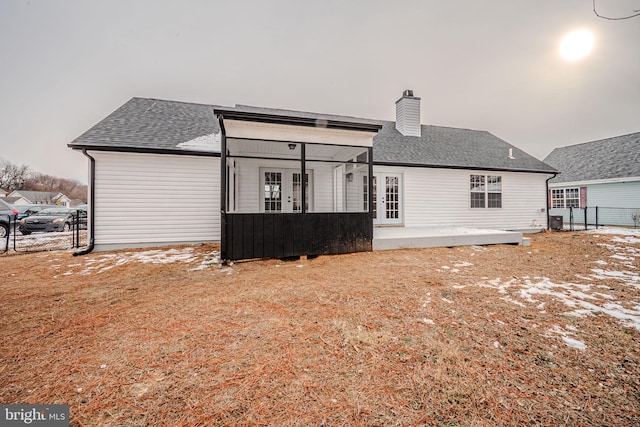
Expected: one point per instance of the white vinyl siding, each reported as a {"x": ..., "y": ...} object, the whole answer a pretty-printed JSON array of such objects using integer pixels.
[
  {"x": 249, "y": 197},
  {"x": 408, "y": 116},
  {"x": 441, "y": 198},
  {"x": 153, "y": 199}
]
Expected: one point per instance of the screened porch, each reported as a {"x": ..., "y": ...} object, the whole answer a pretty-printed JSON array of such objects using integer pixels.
[{"x": 272, "y": 209}]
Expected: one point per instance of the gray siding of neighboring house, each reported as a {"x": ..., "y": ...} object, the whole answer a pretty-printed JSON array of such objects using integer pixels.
[{"x": 616, "y": 202}]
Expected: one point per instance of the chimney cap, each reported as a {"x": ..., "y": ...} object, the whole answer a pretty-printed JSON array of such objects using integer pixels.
[{"x": 407, "y": 92}]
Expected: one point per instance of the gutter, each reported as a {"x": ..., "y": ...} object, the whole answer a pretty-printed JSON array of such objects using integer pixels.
[
  {"x": 549, "y": 201},
  {"x": 92, "y": 199},
  {"x": 223, "y": 190}
]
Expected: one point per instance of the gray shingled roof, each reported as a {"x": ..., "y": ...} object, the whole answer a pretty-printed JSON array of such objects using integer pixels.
[
  {"x": 150, "y": 124},
  {"x": 617, "y": 157},
  {"x": 38, "y": 196},
  {"x": 157, "y": 124},
  {"x": 452, "y": 147}
]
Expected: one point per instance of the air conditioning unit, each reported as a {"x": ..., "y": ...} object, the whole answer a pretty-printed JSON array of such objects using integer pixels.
[{"x": 556, "y": 222}]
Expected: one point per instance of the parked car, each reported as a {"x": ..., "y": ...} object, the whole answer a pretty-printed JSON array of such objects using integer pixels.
[
  {"x": 28, "y": 210},
  {"x": 8, "y": 215},
  {"x": 53, "y": 219}
]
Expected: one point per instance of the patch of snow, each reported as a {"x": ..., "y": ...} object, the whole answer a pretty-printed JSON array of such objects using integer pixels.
[
  {"x": 620, "y": 257},
  {"x": 460, "y": 264},
  {"x": 628, "y": 239},
  {"x": 564, "y": 334},
  {"x": 616, "y": 230},
  {"x": 210, "y": 143},
  {"x": 104, "y": 262},
  {"x": 516, "y": 302},
  {"x": 428, "y": 321},
  {"x": 574, "y": 343},
  {"x": 427, "y": 300}
]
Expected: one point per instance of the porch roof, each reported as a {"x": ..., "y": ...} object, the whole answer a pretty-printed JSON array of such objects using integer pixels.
[{"x": 280, "y": 117}]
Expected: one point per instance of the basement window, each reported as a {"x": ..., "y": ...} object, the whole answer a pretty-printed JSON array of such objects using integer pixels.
[{"x": 486, "y": 191}]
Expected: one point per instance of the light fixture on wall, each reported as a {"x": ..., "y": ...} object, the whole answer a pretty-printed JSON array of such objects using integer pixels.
[
  {"x": 292, "y": 146},
  {"x": 349, "y": 177}
]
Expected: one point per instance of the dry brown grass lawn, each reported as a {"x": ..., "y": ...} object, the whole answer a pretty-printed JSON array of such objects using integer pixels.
[{"x": 424, "y": 337}]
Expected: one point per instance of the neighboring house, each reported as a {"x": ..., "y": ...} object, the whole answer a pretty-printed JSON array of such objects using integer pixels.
[
  {"x": 40, "y": 197},
  {"x": 76, "y": 202},
  {"x": 603, "y": 174},
  {"x": 157, "y": 179},
  {"x": 11, "y": 200}
]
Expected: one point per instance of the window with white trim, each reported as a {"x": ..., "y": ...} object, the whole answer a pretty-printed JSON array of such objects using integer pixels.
[
  {"x": 572, "y": 198},
  {"x": 486, "y": 191},
  {"x": 565, "y": 198}
]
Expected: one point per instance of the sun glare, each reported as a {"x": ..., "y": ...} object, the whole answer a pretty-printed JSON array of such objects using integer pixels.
[{"x": 576, "y": 45}]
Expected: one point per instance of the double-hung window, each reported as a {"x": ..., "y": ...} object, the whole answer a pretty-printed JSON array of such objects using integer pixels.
[
  {"x": 565, "y": 198},
  {"x": 486, "y": 191}
]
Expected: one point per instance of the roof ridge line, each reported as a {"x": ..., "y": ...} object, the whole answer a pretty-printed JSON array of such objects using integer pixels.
[
  {"x": 178, "y": 102},
  {"x": 600, "y": 140}
]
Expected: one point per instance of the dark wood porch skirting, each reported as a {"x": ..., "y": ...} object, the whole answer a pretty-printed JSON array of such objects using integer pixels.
[{"x": 260, "y": 235}]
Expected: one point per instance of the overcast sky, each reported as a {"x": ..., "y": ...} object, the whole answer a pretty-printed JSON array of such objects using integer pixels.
[{"x": 490, "y": 65}]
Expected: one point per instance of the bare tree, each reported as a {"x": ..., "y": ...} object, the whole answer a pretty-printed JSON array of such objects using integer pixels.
[
  {"x": 12, "y": 176},
  {"x": 43, "y": 182}
]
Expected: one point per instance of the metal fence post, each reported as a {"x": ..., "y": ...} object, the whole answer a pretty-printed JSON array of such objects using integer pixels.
[
  {"x": 15, "y": 231},
  {"x": 77, "y": 228},
  {"x": 597, "y": 217},
  {"x": 6, "y": 243},
  {"x": 586, "y": 226},
  {"x": 570, "y": 218}
]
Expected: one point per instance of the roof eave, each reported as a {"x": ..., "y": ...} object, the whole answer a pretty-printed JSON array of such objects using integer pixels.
[
  {"x": 142, "y": 150},
  {"x": 460, "y": 167},
  {"x": 232, "y": 114}
]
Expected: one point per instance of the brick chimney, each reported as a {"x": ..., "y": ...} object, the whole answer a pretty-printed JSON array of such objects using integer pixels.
[{"x": 408, "y": 114}]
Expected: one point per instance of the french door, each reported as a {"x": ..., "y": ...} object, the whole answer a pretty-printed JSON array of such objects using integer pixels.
[
  {"x": 282, "y": 190},
  {"x": 387, "y": 198}
]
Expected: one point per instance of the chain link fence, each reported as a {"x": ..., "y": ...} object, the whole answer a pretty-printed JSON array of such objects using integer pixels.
[
  {"x": 598, "y": 216},
  {"x": 6, "y": 224},
  {"x": 72, "y": 234}
]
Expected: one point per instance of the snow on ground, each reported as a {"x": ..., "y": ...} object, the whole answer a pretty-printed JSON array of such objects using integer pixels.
[
  {"x": 618, "y": 231},
  {"x": 103, "y": 262},
  {"x": 583, "y": 299}
]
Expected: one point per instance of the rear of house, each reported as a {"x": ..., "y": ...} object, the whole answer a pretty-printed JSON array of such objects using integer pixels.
[
  {"x": 157, "y": 177},
  {"x": 599, "y": 180}
]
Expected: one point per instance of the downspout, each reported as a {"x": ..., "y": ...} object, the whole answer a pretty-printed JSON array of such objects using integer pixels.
[
  {"x": 92, "y": 199},
  {"x": 223, "y": 192},
  {"x": 549, "y": 201}
]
